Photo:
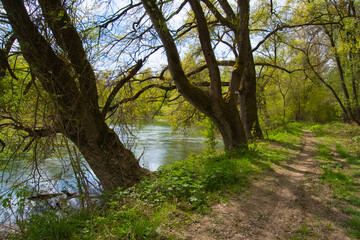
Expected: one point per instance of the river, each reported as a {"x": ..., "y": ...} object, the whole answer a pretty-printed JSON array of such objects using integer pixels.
[{"x": 155, "y": 144}]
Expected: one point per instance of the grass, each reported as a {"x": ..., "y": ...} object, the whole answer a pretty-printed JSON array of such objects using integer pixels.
[
  {"x": 288, "y": 136},
  {"x": 156, "y": 204},
  {"x": 304, "y": 232},
  {"x": 341, "y": 176},
  {"x": 168, "y": 199}
]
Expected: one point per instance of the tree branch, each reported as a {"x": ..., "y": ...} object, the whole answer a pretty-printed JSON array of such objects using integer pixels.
[
  {"x": 278, "y": 67},
  {"x": 209, "y": 54},
  {"x": 285, "y": 26},
  {"x": 4, "y": 64},
  {"x": 119, "y": 85},
  {"x": 217, "y": 14},
  {"x": 68, "y": 38}
]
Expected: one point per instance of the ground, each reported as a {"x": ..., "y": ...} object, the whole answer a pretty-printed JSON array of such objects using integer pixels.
[{"x": 287, "y": 203}]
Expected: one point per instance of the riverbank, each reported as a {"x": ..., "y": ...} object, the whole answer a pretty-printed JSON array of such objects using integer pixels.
[{"x": 295, "y": 185}]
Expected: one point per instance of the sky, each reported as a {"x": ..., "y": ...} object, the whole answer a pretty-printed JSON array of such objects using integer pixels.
[{"x": 158, "y": 60}]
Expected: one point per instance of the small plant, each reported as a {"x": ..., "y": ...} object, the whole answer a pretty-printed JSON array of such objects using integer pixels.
[
  {"x": 336, "y": 178},
  {"x": 210, "y": 135},
  {"x": 303, "y": 232},
  {"x": 50, "y": 225},
  {"x": 317, "y": 129}
]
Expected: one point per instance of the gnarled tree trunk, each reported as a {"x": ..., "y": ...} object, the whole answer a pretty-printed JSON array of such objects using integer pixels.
[
  {"x": 71, "y": 85},
  {"x": 221, "y": 110}
]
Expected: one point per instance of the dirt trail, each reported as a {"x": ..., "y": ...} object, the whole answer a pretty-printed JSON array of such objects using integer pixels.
[{"x": 287, "y": 203}]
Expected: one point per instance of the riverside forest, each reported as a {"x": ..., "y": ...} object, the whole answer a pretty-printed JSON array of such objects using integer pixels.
[{"x": 180, "y": 119}]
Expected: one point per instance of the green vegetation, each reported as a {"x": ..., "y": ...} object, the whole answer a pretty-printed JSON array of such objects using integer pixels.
[
  {"x": 70, "y": 72},
  {"x": 175, "y": 196},
  {"x": 304, "y": 232},
  {"x": 341, "y": 167},
  {"x": 166, "y": 199}
]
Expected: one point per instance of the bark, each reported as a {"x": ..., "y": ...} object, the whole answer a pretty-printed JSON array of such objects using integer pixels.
[
  {"x": 354, "y": 79},
  {"x": 112, "y": 163},
  {"x": 247, "y": 75},
  {"x": 79, "y": 116},
  {"x": 222, "y": 111},
  {"x": 248, "y": 101}
]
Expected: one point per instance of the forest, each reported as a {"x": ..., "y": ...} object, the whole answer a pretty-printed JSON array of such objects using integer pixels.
[{"x": 254, "y": 104}]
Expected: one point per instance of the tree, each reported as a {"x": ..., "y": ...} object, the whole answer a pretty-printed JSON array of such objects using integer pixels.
[
  {"x": 330, "y": 50},
  {"x": 62, "y": 67},
  {"x": 243, "y": 79},
  {"x": 222, "y": 110}
]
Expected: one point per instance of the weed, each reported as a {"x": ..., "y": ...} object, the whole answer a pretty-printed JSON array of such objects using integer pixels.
[
  {"x": 342, "y": 180},
  {"x": 302, "y": 233},
  {"x": 52, "y": 226},
  {"x": 336, "y": 178},
  {"x": 318, "y": 130}
]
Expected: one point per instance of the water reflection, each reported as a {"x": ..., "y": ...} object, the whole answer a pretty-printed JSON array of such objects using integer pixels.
[{"x": 157, "y": 144}]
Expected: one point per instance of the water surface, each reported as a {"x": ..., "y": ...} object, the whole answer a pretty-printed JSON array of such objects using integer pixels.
[{"x": 157, "y": 144}]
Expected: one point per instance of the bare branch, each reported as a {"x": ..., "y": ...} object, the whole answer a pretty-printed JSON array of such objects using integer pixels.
[
  {"x": 278, "y": 67},
  {"x": 119, "y": 85},
  {"x": 285, "y": 26},
  {"x": 116, "y": 16},
  {"x": 218, "y": 15}
]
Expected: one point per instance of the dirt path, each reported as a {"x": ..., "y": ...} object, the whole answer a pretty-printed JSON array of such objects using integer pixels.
[{"x": 287, "y": 203}]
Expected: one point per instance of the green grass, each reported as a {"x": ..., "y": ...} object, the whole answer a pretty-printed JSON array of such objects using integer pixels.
[
  {"x": 146, "y": 210},
  {"x": 288, "y": 136},
  {"x": 304, "y": 232},
  {"x": 341, "y": 177},
  {"x": 52, "y": 226},
  {"x": 354, "y": 222},
  {"x": 169, "y": 197},
  {"x": 324, "y": 152},
  {"x": 350, "y": 157}
]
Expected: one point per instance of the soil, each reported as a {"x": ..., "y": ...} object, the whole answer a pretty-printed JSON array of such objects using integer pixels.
[{"x": 287, "y": 203}]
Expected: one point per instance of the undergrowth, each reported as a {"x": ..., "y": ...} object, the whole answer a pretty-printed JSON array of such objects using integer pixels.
[
  {"x": 145, "y": 210},
  {"x": 167, "y": 199}
]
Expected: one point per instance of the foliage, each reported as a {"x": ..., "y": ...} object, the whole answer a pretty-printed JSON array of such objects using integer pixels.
[
  {"x": 166, "y": 199},
  {"x": 209, "y": 133},
  {"x": 354, "y": 222},
  {"x": 53, "y": 226},
  {"x": 139, "y": 212},
  {"x": 288, "y": 136}
]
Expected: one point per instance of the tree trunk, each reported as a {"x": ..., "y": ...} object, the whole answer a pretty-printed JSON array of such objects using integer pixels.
[
  {"x": 248, "y": 100},
  {"x": 222, "y": 111},
  {"x": 71, "y": 85},
  {"x": 113, "y": 164},
  {"x": 228, "y": 121},
  {"x": 341, "y": 77}
]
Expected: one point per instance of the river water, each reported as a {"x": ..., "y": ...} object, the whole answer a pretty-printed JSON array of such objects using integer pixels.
[{"x": 155, "y": 144}]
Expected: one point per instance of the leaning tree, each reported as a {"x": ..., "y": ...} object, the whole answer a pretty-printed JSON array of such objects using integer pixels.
[
  {"x": 58, "y": 61},
  {"x": 235, "y": 127}
]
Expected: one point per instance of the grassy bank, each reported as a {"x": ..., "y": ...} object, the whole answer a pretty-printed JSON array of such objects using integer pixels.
[
  {"x": 176, "y": 195},
  {"x": 339, "y": 157}
]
